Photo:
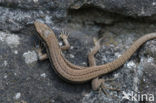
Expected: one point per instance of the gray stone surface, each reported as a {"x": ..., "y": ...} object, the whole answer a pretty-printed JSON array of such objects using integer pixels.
[
  {"x": 24, "y": 79},
  {"x": 126, "y": 7}
]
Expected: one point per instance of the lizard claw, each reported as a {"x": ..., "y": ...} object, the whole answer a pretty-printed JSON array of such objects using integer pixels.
[
  {"x": 99, "y": 84},
  {"x": 64, "y": 35},
  {"x": 97, "y": 41},
  {"x": 113, "y": 89},
  {"x": 41, "y": 56}
]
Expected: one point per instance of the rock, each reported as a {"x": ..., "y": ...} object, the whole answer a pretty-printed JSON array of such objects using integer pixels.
[
  {"x": 147, "y": 85},
  {"x": 130, "y": 8},
  {"x": 25, "y": 79}
]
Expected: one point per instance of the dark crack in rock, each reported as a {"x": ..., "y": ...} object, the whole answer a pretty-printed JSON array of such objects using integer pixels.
[{"x": 130, "y": 8}]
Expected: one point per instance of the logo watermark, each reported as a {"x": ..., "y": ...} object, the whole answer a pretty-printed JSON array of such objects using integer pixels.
[{"x": 135, "y": 96}]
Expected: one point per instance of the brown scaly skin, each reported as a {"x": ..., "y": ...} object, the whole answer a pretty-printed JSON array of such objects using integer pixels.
[{"x": 74, "y": 73}]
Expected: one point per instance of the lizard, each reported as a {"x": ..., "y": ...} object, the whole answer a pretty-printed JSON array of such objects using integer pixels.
[{"x": 80, "y": 74}]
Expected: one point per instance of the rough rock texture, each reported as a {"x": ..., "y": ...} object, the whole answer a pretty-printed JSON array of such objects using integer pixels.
[
  {"x": 24, "y": 79},
  {"x": 126, "y": 7}
]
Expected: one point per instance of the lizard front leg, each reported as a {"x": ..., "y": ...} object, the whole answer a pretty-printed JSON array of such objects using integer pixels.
[
  {"x": 64, "y": 37},
  {"x": 41, "y": 56}
]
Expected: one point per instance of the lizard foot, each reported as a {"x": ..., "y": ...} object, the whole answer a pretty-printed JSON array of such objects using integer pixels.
[
  {"x": 99, "y": 84},
  {"x": 64, "y": 35},
  {"x": 41, "y": 56},
  {"x": 97, "y": 41}
]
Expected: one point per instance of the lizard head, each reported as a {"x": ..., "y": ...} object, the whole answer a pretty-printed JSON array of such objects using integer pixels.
[{"x": 43, "y": 30}]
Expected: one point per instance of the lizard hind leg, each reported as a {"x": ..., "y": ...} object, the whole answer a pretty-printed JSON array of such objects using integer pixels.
[
  {"x": 98, "y": 83},
  {"x": 94, "y": 50}
]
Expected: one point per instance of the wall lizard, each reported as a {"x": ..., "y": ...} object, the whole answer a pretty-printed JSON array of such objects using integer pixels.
[{"x": 80, "y": 74}]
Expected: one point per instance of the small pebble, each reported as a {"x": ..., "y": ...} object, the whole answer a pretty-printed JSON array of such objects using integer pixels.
[
  {"x": 150, "y": 59},
  {"x": 43, "y": 75},
  {"x": 154, "y": 3},
  {"x": 71, "y": 47},
  {"x": 5, "y": 63},
  {"x": 35, "y": 1},
  {"x": 17, "y": 96},
  {"x": 5, "y": 76},
  {"x": 72, "y": 56},
  {"x": 131, "y": 64},
  {"x": 60, "y": 43},
  {"x": 16, "y": 52}
]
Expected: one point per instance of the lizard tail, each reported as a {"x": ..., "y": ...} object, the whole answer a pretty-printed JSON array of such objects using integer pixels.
[{"x": 130, "y": 51}]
